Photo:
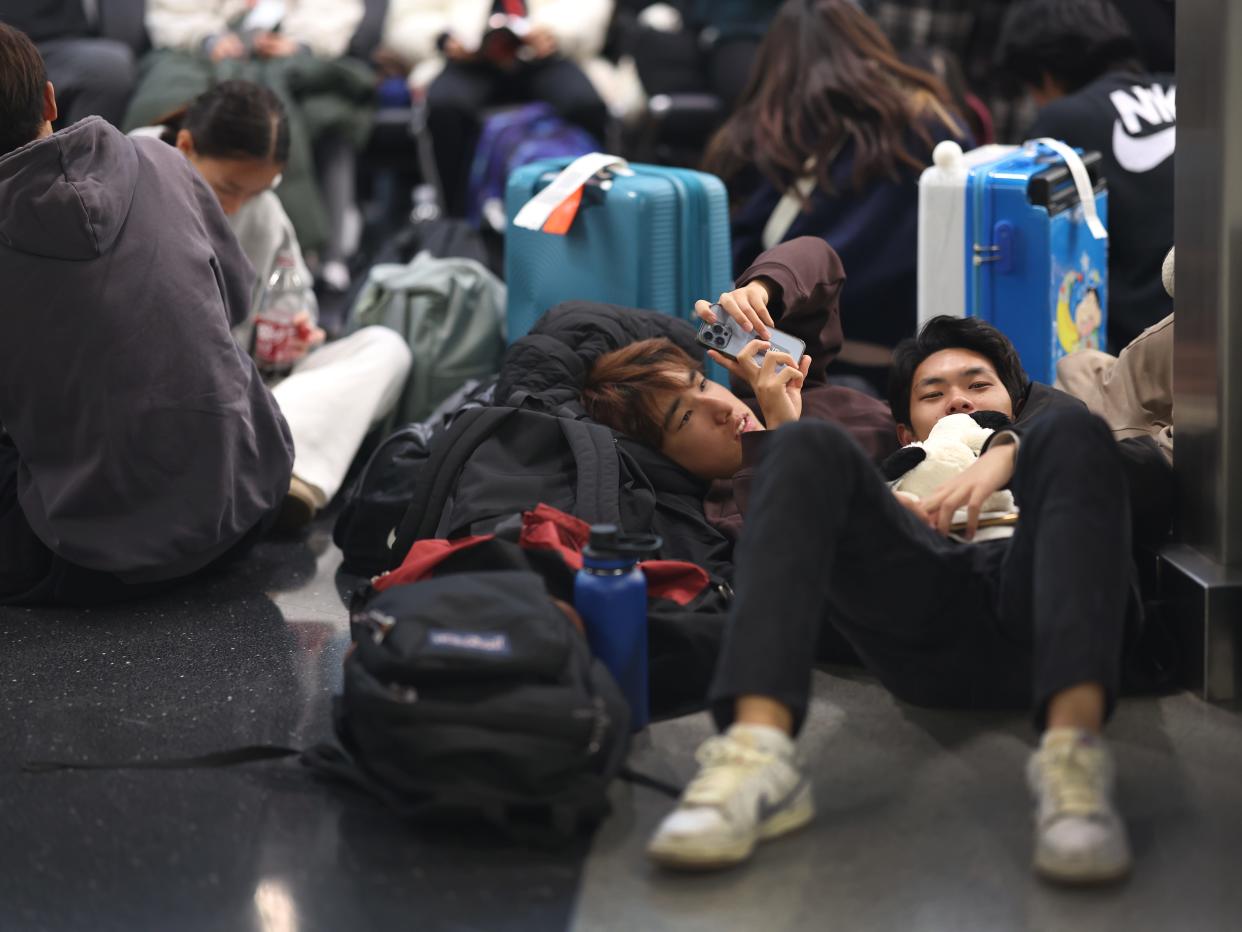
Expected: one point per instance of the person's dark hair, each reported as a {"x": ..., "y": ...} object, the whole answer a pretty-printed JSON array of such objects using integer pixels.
[
  {"x": 233, "y": 120},
  {"x": 825, "y": 74},
  {"x": 942, "y": 333},
  {"x": 1075, "y": 41},
  {"x": 22, "y": 80},
  {"x": 624, "y": 387}
]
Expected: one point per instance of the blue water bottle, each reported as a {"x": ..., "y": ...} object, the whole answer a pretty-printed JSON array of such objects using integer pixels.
[{"x": 610, "y": 593}]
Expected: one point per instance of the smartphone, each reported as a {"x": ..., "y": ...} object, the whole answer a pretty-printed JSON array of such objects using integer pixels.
[
  {"x": 728, "y": 338},
  {"x": 988, "y": 519},
  {"x": 264, "y": 16}
]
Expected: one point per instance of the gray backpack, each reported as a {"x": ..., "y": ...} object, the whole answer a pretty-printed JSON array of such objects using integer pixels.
[{"x": 451, "y": 312}]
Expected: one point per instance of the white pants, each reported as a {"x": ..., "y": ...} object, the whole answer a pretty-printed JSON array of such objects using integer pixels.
[{"x": 334, "y": 396}]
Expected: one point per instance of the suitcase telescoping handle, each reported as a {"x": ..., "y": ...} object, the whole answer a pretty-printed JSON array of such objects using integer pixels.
[
  {"x": 1082, "y": 181},
  {"x": 567, "y": 186}
]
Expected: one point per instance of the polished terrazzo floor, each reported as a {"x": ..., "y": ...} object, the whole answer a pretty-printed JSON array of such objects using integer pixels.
[{"x": 923, "y": 821}]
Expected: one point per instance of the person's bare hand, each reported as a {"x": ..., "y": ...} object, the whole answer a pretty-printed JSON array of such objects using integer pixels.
[
  {"x": 455, "y": 51},
  {"x": 542, "y": 41},
  {"x": 970, "y": 489},
  {"x": 779, "y": 393},
  {"x": 228, "y": 45},
  {"x": 306, "y": 336},
  {"x": 747, "y": 305},
  {"x": 274, "y": 45}
]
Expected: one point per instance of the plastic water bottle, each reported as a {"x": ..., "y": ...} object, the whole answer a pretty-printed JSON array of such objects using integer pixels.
[
  {"x": 288, "y": 313},
  {"x": 610, "y": 593}
]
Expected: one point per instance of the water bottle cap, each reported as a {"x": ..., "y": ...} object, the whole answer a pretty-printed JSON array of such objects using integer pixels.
[
  {"x": 604, "y": 537},
  {"x": 608, "y": 543}
]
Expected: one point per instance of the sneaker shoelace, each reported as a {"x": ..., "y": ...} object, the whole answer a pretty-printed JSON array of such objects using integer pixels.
[
  {"x": 724, "y": 763},
  {"x": 1072, "y": 783}
]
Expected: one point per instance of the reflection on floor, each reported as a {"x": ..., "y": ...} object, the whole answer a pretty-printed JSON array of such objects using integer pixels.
[
  {"x": 249, "y": 656},
  {"x": 923, "y": 818}
]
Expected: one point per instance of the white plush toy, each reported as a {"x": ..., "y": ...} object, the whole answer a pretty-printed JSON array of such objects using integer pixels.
[{"x": 953, "y": 445}]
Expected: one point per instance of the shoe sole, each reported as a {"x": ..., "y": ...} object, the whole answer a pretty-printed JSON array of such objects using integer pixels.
[
  {"x": 1079, "y": 874},
  {"x": 689, "y": 857}
]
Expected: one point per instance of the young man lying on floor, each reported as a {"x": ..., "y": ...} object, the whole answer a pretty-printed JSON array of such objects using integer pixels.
[{"x": 1035, "y": 620}]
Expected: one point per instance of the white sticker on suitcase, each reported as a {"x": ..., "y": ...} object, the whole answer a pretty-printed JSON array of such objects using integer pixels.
[{"x": 535, "y": 212}]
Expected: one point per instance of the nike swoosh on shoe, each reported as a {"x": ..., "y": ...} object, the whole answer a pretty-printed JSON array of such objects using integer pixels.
[
  {"x": 1142, "y": 153},
  {"x": 768, "y": 808}
]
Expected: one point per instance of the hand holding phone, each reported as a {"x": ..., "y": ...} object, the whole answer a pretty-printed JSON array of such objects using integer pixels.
[
  {"x": 727, "y": 338},
  {"x": 775, "y": 368}
]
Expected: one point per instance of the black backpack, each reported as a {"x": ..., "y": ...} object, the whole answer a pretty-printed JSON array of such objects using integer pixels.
[
  {"x": 496, "y": 462},
  {"x": 473, "y": 695}
]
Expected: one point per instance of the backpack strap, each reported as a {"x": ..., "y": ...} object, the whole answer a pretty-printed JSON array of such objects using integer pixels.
[
  {"x": 638, "y": 778},
  {"x": 231, "y": 758},
  {"x": 449, "y": 454},
  {"x": 598, "y": 498}
]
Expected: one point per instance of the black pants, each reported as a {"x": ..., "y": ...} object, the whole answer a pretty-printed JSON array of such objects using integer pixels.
[
  {"x": 92, "y": 77},
  {"x": 456, "y": 98},
  {"x": 676, "y": 63},
  {"x": 996, "y": 624},
  {"x": 32, "y": 574}
]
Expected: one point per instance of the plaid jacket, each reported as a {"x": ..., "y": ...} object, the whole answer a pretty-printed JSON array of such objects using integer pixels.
[{"x": 970, "y": 30}]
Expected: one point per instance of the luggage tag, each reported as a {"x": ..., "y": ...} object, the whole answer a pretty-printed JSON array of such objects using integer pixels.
[
  {"x": 1082, "y": 181},
  {"x": 553, "y": 209}
]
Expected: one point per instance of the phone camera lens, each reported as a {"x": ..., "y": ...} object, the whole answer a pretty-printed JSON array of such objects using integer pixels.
[{"x": 720, "y": 341}]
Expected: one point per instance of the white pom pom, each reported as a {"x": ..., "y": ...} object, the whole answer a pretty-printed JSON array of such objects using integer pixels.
[{"x": 947, "y": 155}]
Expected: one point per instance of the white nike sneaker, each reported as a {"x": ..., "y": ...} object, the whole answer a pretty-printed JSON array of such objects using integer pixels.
[
  {"x": 748, "y": 789},
  {"x": 1079, "y": 837}
]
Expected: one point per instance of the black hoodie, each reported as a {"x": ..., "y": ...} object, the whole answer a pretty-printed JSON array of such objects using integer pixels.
[{"x": 148, "y": 443}]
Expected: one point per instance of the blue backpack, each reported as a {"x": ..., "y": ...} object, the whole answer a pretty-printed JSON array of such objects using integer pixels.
[{"x": 509, "y": 140}]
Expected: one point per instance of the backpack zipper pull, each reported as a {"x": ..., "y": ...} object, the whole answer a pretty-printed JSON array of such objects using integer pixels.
[
  {"x": 600, "y": 728},
  {"x": 404, "y": 694},
  {"x": 379, "y": 624}
]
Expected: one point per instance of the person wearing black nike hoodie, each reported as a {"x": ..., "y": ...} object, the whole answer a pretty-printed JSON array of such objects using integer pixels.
[
  {"x": 1081, "y": 64},
  {"x": 137, "y": 441}
]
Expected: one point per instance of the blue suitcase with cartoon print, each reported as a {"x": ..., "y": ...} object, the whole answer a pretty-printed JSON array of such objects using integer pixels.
[
  {"x": 643, "y": 236},
  {"x": 1017, "y": 236}
]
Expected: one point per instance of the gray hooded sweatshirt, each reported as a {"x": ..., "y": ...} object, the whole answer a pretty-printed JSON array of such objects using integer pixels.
[{"x": 148, "y": 443}]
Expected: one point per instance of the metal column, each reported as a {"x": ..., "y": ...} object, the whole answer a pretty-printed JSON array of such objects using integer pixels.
[{"x": 1204, "y": 571}]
